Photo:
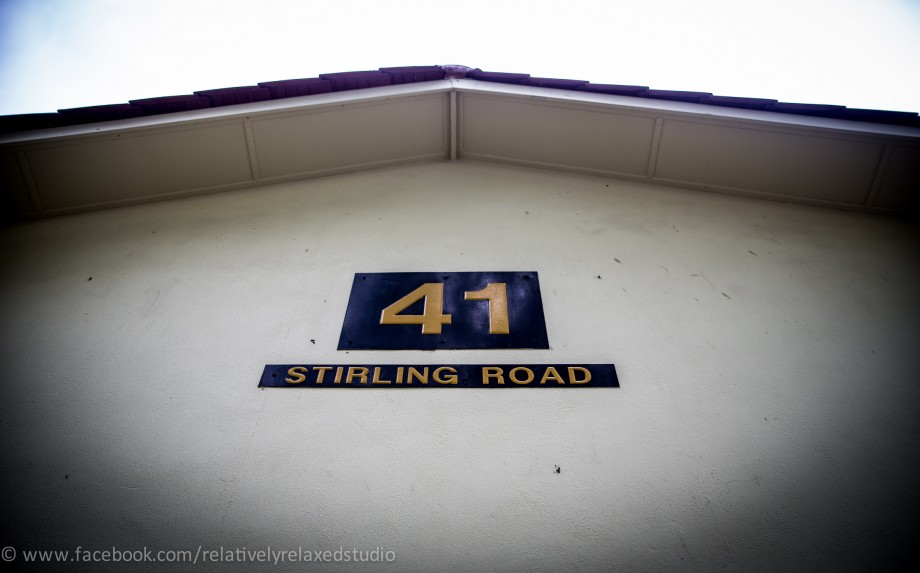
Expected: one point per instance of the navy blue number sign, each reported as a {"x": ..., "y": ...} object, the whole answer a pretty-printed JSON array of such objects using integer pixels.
[{"x": 429, "y": 311}]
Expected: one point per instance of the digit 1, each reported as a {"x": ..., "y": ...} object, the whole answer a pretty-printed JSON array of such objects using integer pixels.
[{"x": 497, "y": 295}]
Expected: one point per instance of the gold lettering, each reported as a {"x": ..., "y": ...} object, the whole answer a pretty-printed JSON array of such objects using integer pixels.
[
  {"x": 514, "y": 378},
  {"x": 356, "y": 372},
  {"x": 296, "y": 375},
  {"x": 450, "y": 379},
  {"x": 420, "y": 376},
  {"x": 551, "y": 374},
  {"x": 445, "y": 375},
  {"x": 573, "y": 380},
  {"x": 492, "y": 372},
  {"x": 322, "y": 372},
  {"x": 377, "y": 379},
  {"x": 432, "y": 316}
]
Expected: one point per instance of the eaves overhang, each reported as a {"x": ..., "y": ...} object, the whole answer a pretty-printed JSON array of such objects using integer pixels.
[{"x": 729, "y": 149}]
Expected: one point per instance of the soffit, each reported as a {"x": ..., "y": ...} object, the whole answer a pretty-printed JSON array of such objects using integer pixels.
[{"x": 752, "y": 152}]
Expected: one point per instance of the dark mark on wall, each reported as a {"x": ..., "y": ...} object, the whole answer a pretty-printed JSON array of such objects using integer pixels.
[
  {"x": 558, "y": 469},
  {"x": 726, "y": 296}
]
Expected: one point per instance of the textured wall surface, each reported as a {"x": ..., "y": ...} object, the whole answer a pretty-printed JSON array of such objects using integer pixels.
[{"x": 767, "y": 417}]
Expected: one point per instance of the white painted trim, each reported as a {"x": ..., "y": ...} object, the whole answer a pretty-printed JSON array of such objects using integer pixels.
[
  {"x": 236, "y": 112},
  {"x": 653, "y": 150},
  {"x": 453, "y": 125},
  {"x": 652, "y": 106}
]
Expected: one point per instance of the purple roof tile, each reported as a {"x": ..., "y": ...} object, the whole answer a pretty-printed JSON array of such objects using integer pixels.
[
  {"x": 806, "y": 109},
  {"x": 96, "y": 113},
  {"x": 33, "y": 121},
  {"x": 344, "y": 81},
  {"x": 412, "y": 74},
  {"x": 877, "y": 115},
  {"x": 295, "y": 88},
  {"x": 670, "y": 95},
  {"x": 498, "y": 77},
  {"x": 171, "y": 104},
  {"x": 554, "y": 83},
  {"x": 738, "y": 102},
  {"x": 613, "y": 89},
  {"x": 232, "y": 96}
]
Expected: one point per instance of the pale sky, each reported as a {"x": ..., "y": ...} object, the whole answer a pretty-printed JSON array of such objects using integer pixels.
[{"x": 67, "y": 53}]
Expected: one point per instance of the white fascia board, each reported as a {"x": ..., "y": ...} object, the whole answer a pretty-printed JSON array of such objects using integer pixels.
[
  {"x": 698, "y": 111},
  {"x": 246, "y": 111},
  {"x": 622, "y": 104}
]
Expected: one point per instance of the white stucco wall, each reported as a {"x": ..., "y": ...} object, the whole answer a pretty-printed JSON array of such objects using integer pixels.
[{"x": 767, "y": 353}]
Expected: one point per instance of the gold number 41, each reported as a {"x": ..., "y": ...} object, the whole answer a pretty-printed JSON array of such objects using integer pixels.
[{"x": 433, "y": 317}]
